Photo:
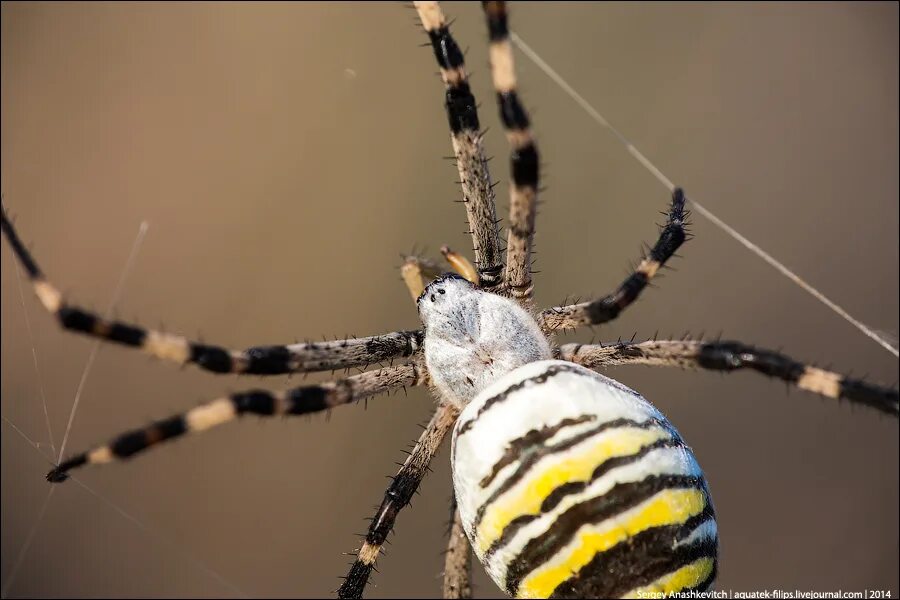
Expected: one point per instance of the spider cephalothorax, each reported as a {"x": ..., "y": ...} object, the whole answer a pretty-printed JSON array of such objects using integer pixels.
[
  {"x": 473, "y": 337},
  {"x": 568, "y": 483}
]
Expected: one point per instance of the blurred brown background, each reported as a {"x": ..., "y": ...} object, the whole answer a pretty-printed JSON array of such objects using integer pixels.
[{"x": 285, "y": 155}]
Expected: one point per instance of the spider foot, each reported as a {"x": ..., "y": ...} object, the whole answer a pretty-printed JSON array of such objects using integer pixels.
[{"x": 57, "y": 475}]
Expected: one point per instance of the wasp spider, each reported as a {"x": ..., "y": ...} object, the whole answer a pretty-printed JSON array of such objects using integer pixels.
[{"x": 567, "y": 483}]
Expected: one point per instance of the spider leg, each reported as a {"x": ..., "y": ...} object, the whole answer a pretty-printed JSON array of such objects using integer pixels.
[
  {"x": 297, "y": 401},
  {"x": 397, "y": 496},
  {"x": 468, "y": 147},
  {"x": 457, "y": 561},
  {"x": 730, "y": 356},
  {"x": 524, "y": 165},
  {"x": 257, "y": 360},
  {"x": 607, "y": 308}
]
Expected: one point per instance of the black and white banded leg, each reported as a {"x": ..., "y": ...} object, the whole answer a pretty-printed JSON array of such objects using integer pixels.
[
  {"x": 397, "y": 496},
  {"x": 607, "y": 308},
  {"x": 457, "y": 560},
  {"x": 297, "y": 401},
  {"x": 731, "y": 356},
  {"x": 468, "y": 147},
  {"x": 258, "y": 360},
  {"x": 524, "y": 167}
]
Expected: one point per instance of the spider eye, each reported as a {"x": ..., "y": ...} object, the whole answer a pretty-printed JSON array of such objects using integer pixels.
[
  {"x": 432, "y": 297},
  {"x": 442, "y": 291}
]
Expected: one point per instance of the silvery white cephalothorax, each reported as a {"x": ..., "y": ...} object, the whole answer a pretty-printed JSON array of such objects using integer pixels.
[{"x": 472, "y": 337}]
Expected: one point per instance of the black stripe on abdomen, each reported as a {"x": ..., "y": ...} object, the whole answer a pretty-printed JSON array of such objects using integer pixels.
[
  {"x": 617, "y": 500},
  {"x": 574, "y": 487},
  {"x": 533, "y": 458},
  {"x": 533, "y": 438},
  {"x": 501, "y": 396},
  {"x": 639, "y": 561}
]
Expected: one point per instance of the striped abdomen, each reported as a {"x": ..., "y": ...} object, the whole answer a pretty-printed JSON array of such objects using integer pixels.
[{"x": 570, "y": 484}]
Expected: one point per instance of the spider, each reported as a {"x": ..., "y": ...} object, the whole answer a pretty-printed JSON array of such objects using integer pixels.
[{"x": 407, "y": 341}]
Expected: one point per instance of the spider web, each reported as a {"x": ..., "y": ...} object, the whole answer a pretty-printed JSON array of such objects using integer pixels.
[
  {"x": 55, "y": 457},
  {"x": 880, "y": 338}
]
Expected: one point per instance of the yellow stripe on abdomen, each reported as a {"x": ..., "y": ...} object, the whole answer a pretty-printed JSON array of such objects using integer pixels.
[
  {"x": 686, "y": 577},
  {"x": 668, "y": 507},
  {"x": 576, "y": 465}
]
